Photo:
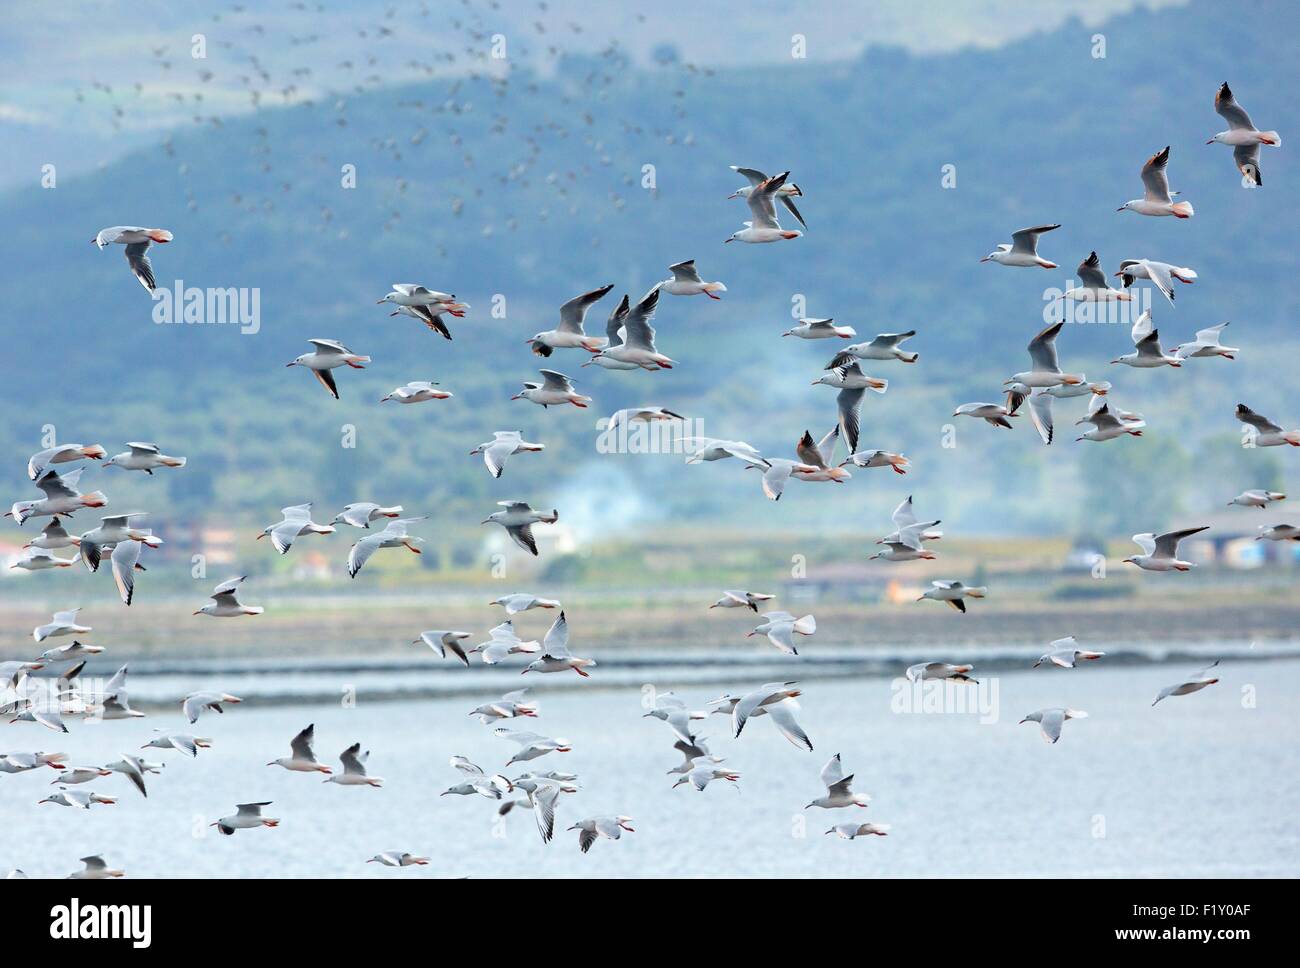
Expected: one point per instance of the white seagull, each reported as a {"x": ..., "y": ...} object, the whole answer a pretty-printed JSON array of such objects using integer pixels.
[
  {"x": 39, "y": 462},
  {"x": 555, "y": 389},
  {"x": 686, "y": 281},
  {"x": 1051, "y": 720},
  {"x": 1023, "y": 250},
  {"x": 764, "y": 226},
  {"x": 302, "y": 759},
  {"x": 328, "y": 355},
  {"x": 786, "y": 193},
  {"x": 591, "y": 829},
  {"x": 839, "y": 788},
  {"x": 297, "y": 521},
  {"x": 503, "y": 444},
  {"x": 820, "y": 329},
  {"x": 1266, "y": 433},
  {"x": 245, "y": 817},
  {"x": 780, "y": 629},
  {"x": 417, "y": 391},
  {"x": 354, "y": 769},
  {"x": 1206, "y": 344},
  {"x": 556, "y": 656},
  {"x": 225, "y": 601},
  {"x": 1195, "y": 683},
  {"x": 143, "y": 457},
  {"x": 569, "y": 334},
  {"x": 1242, "y": 134},
  {"x": 1065, "y": 653},
  {"x": 953, "y": 592},
  {"x": 518, "y": 519},
  {"x": 1157, "y": 200},
  {"x": 137, "y": 241},
  {"x": 1257, "y": 498},
  {"x": 1160, "y": 551},
  {"x": 393, "y": 536}
]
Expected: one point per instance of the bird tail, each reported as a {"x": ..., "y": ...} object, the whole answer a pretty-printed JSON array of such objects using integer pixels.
[
  {"x": 95, "y": 499},
  {"x": 879, "y": 386},
  {"x": 714, "y": 287},
  {"x": 1183, "y": 209},
  {"x": 552, "y": 517},
  {"x": 910, "y": 357},
  {"x": 806, "y": 625},
  {"x": 253, "y": 609},
  {"x": 94, "y": 451},
  {"x": 1271, "y": 138},
  {"x": 391, "y": 512},
  {"x": 174, "y": 461},
  {"x": 1292, "y": 437},
  {"x": 979, "y": 591}
]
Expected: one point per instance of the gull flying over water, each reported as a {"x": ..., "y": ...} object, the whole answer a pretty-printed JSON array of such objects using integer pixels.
[
  {"x": 302, "y": 758},
  {"x": 1065, "y": 653},
  {"x": 360, "y": 515},
  {"x": 1160, "y": 552},
  {"x": 225, "y": 601},
  {"x": 518, "y": 519},
  {"x": 354, "y": 769},
  {"x": 839, "y": 788},
  {"x": 297, "y": 521},
  {"x": 1051, "y": 720},
  {"x": 556, "y": 656},
  {"x": 593, "y": 828},
  {"x": 245, "y": 817},
  {"x": 1194, "y": 683},
  {"x": 953, "y": 592},
  {"x": 741, "y": 599},
  {"x": 393, "y": 536}
]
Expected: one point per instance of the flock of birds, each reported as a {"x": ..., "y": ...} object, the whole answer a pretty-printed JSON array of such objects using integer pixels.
[{"x": 629, "y": 344}]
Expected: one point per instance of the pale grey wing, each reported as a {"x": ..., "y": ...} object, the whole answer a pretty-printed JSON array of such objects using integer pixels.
[
  {"x": 1091, "y": 275},
  {"x": 194, "y": 704},
  {"x": 544, "y": 810},
  {"x": 1145, "y": 541},
  {"x": 1227, "y": 107},
  {"x": 141, "y": 267},
  {"x": 1155, "y": 177},
  {"x": 638, "y": 331},
  {"x": 849, "y": 402},
  {"x": 1210, "y": 335},
  {"x": 574, "y": 312},
  {"x": 556, "y": 642},
  {"x": 761, "y": 204},
  {"x": 782, "y": 636},
  {"x": 1042, "y": 348},
  {"x": 301, "y": 512},
  {"x": 94, "y": 862},
  {"x": 301, "y": 744},
  {"x": 1149, "y": 345},
  {"x": 1051, "y": 724},
  {"x": 55, "y": 486},
  {"x": 140, "y": 447},
  {"x": 1141, "y": 328},
  {"x": 1167, "y": 543},
  {"x": 685, "y": 272},
  {"x": 1040, "y": 411},
  {"x": 1102, "y": 418},
  {"x": 1026, "y": 240},
  {"x": 465, "y": 766},
  {"x": 224, "y": 598},
  {"x": 495, "y": 456},
  {"x": 609, "y": 827},
  {"x": 328, "y": 346},
  {"x": 774, "y": 479},
  {"x": 282, "y": 534},
  {"x": 358, "y": 515},
  {"x": 1159, "y": 275},
  {"x": 1243, "y": 155},
  {"x": 125, "y": 556},
  {"x": 556, "y": 381},
  {"x": 116, "y": 685},
  {"x": 745, "y": 707},
  {"x": 782, "y": 716},
  {"x": 826, "y": 446},
  {"x": 615, "y": 323},
  {"x": 586, "y": 837},
  {"x": 516, "y": 695},
  {"x": 251, "y": 809},
  {"x": 228, "y": 586},
  {"x": 832, "y": 772},
  {"x": 755, "y": 176},
  {"x": 904, "y": 516},
  {"x": 361, "y": 552},
  {"x": 351, "y": 761}
]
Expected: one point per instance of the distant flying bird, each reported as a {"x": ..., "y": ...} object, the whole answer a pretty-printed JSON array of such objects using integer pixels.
[
  {"x": 1279, "y": 532},
  {"x": 393, "y": 536},
  {"x": 1093, "y": 286},
  {"x": 820, "y": 329},
  {"x": 53, "y": 537},
  {"x": 686, "y": 281},
  {"x": 638, "y": 344},
  {"x": 196, "y": 703},
  {"x": 556, "y": 388},
  {"x": 360, "y": 514},
  {"x": 245, "y": 817},
  {"x": 518, "y": 519},
  {"x": 1023, "y": 250},
  {"x": 764, "y": 225},
  {"x": 929, "y": 671},
  {"x": 953, "y": 592},
  {"x": 1206, "y": 344},
  {"x": 780, "y": 629},
  {"x": 442, "y": 642},
  {"x": 839, "y": 788},
  {"x": 1065, "y": 653},
  {"x": 1161, "y": 275},
  {"x": 1242, "y": 134},
  {"x": 137, "y": 241},
  {"x": 39, "y": 559},
  {"x": 884, "y": 347},
  {"x": 851, "y": 831},
  {"x": 95, "y": 870},
  {"x": 1157, "y": 200},
  {"x": 61, "y": 497},
  {"x": 301, "y": 758},
  {"x": 1257, "y": 498},
  {"x": 1149, "y": 354},
  {"x": 1194, "y": 683},
  {"x": 354, "y": 769},
  {"x": 504, "y": 443},
  {"x": 1267, "y": 433},
  {"x": 593, "y": 828},
  {"x": 556, "y": 656},
  {"x": 1051, "y": 720},
  {"x": 297, "y": 521},
  {"x": 225, "y": 601},
  {"x": 328, "y": 355},
  {"x": 143, "y": 457},
  {"x": 994, "y": 413},
  {"x": 569, "y": 334},
  {"x": 741, "y": 599},
  {"x": 787, "y": 192},
  {"x": 63, "y": 623},
  {"x": 1046, "y": 370},
  {"x": 522, "y": 602},
  {"x": 39, "y": 462},
  {"x": 418, "y": 391},
  {"x": 1160, "y": 552},
  {"x": 394, "y": 858}
]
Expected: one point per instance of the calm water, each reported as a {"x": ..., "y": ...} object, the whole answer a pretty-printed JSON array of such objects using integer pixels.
[{"x": 1201, "y": 785}]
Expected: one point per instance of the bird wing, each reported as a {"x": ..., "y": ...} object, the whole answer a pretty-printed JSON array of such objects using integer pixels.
[
  {"x": 615, "y": 323},
  {"x": 328, "y": 346},
  {"x": 760, "y": 202},
  {"x": 351, "y": 761},
  {"x": 574, "y": 312},
  {"x": 362, "y": 550},
  {"x": 1090, "y": 273},
  {"x": 1042, "y": 348},
  {"x": 282, "y": 534},
  {"x": 1155, "y": 178},
  {"x": 808, "y": 452},
  {"x": 554, "y": 380},
  {"x": 774, "y": 479},
  {"x": 686, "y": 271},
  {"x": 543, "y": 800},
  {"x": 782, "y": 716},
  {"x": 1146, "y": 541},
  {"x": 556, "y": 642},
  {"x": 1232, "y": 112},
  {"x": 755, "y": 176},
  {"x": 140, "y": 265},
  {"x": 832, "y": 772},
  {"x": 849, "y": 402},
  {"x": 1026, "y": 240},
  {"x": 1167, "y": 543},
  {"x": 1248, "y": 416},
  {"x": 522, "y": 535},
  {"x": 637, "y": 329},
  {"x": 1040, "y": 411},
  {"x": 301, "y": 744},
  {"x": 126, "y": 554}
]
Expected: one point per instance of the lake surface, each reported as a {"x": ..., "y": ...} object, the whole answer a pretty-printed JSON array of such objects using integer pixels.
[{"x": 1204, "y": 785}]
